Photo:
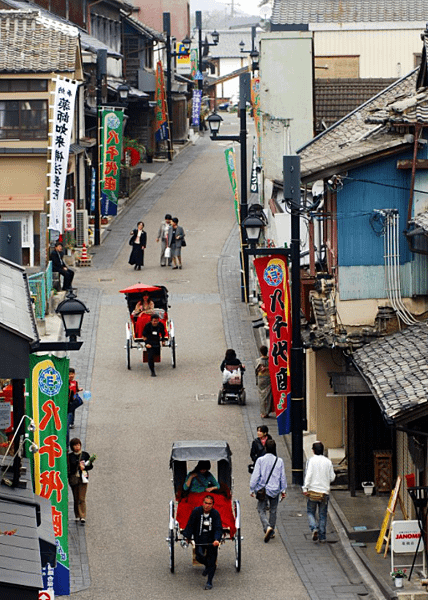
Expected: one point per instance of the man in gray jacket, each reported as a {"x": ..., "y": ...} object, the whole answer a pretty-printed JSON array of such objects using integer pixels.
[{"x": 175, "y": 242}]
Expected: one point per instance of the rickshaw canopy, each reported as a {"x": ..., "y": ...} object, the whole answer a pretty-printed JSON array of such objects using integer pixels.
[
  {"x": 200, "y": 450},
  {"x": 140, "y": 287}
]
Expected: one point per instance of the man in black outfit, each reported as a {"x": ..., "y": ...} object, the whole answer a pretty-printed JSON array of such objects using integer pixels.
[
  {"x": 59, "y": 266},
  {"x": 205, "y": 527},
  {"x": 154, "y": 336}
]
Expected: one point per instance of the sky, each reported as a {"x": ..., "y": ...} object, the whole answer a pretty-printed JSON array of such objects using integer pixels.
[{"x": 249, "y": 7}]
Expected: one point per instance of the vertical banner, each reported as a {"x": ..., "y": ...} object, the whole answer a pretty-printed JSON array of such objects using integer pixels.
[
  {"x": 254, "y": 183},
  {"x": 193, "y": 63},
  {"x": 196, "y": 107},
  {"x": 62, "y": 126},
  {"x": 111, "y": 121},
  {"x": 47, "y": 403},
  {"x": 272, "y": 273},
  {"x": 93, "y": 184},
  {"x": 231, "y": 168},
  {"x": 69, "y": 224},
  {"x": 161, "y": 111},
  {"x": 255, "y": 101}
]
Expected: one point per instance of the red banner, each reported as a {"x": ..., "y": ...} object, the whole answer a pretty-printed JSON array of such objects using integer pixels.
[
  {"x": 272, "y": 273},
  {"x": 161, "y": 112}
]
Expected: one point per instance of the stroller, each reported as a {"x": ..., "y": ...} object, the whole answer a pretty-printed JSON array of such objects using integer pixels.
[{"x": 233, "y": 390}]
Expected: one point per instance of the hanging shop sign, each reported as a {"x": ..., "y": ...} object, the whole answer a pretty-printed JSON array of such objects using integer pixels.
[
  {"x": 196, "y": 107},
  {"x": 60, "y": 136},
  {"x": 69, "y": 224},
  {"x": 111, "y": 121},
  {"x": 47, "y": 404},
  {"x": 272, "y": 273},
  {"x": 229, "y": 153},
  {"x": 161, "y": 111}
]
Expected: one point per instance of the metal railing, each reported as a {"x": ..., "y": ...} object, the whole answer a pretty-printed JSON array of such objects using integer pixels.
[{"x": 40, "y": 287}]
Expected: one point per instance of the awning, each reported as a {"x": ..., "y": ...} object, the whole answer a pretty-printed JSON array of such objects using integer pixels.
[
  {"x": 395, "y": 368},
  {"x": 21, "y": 202},
  {"x": 133, "y": 92}
]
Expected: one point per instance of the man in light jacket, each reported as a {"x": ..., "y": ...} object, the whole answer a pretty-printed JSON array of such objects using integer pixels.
[
  {"x": 269, "y": 473},
  {"x": 319, "y": 475},
  {"x": 164, "y": 228}
]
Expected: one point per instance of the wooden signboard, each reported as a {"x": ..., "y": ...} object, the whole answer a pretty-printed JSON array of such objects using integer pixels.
[{"x": 389, "y": 514}]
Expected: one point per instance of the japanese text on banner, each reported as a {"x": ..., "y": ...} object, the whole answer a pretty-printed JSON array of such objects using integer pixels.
[
  {"x": 47, "y": 403},
  {"x": 62, "y": 125},
  {"x": 111, "y": 153},
  {"x": 272, "y": 273}
]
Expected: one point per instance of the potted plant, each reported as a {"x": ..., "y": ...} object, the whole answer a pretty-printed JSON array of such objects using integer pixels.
[
  {"x": 133, "y": 152},
  {"x": 398, "y": 575},
  {"x": 150, "y": 154}
]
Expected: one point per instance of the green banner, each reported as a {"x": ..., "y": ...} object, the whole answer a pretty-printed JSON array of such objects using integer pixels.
[
  {"x": 193, "y": 63},
  {"x": 111, "y": 120},
  {"x": 231, "y": 167},
  {"x": 47, "y": 404}
]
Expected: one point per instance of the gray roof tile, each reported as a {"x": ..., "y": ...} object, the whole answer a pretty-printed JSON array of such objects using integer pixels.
[
  {"x": 31, "y": 42},
  {"x": 16, "y": 313},
  {"x": 395, "y": 368},
  {"x": 288, "y": 12}
]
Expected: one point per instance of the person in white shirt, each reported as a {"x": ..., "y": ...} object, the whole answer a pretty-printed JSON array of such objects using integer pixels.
[
  {"x": 319, "y": 475},
  {"x": 163, "y": 237}
]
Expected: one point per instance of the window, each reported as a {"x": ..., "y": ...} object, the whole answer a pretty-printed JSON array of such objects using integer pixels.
[
  {"x": 24, "y": 119},
  {"x": 23, "y": 85}
]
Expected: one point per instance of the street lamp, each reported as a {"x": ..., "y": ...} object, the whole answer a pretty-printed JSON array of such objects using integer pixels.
[
  {"x": 169, "y": 54},
  {"x": 254, "y": 55},
  {"x": 214, "y": 122},
  {"x": 71, "y": 311},
  {"x": 215, "y": 36},
  {"x": 123, "y": 91}
]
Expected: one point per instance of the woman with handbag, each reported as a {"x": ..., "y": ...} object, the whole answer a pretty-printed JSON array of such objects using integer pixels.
[
  {"x": 176, "y": 241},
  {"x": 79, "y": 463},
  {"x": 138, "y": 242},
  {"x": 267, "y": 484}
]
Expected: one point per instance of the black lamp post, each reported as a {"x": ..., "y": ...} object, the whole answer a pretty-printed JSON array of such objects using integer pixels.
[
  {"x": 71, "y": 311},
  {"x": 169, "y": 54},
  {"x": 253, "y": 225},
  {"x": 123, "y": 91},
  {"x": 215, "y": 36},
  {"x": 254, "y": 55},
  {"x": 214, "y": 122}
]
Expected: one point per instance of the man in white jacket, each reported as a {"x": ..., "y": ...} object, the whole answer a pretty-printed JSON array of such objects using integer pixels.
[{"x": 319, "y": 475}]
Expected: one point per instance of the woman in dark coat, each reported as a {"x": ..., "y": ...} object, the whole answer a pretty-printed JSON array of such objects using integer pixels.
[
  {"x": 258, "y": 447},
  {"x": 138, "y": 242}
]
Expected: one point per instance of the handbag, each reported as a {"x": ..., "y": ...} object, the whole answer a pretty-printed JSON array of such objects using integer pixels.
[
  {"x": 183, "y": 243},
  {"x": 250, "y": 468},
  {"x": 315, "y": 496},
  {"x": 167, "y": 253},
  {"x": 261, "y": 493}
]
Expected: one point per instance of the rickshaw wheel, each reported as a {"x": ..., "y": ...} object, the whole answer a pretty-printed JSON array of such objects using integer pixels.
[
  {"x": 220, "y": 397},
  {"x": 238, "y": 549},
  {"x": 171, "y": 550},
  {"x": 243, "y": 398},
  {"x": 174, "y": 363},
  {"x": 128, "y": 354}
]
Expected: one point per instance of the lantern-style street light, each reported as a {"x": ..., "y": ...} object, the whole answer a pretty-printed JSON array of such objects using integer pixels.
[
  {"x": 254, "y": 55},
  {"x": 215, "y": 36}
]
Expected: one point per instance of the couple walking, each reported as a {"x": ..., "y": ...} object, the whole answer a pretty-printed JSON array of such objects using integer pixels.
[{"x": 172, "y": 238}]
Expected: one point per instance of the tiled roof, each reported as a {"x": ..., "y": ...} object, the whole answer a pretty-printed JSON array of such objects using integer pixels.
[
  {"x": 31, "y": 42},
  {"x": 288, "y": 12},
  {"x": 353, "y": 137},
  {"x": 145, "y": 29},
  {"x": 396, "y": 370},
  {"x": 410, "y": 110},
  {"x": 16, "y": 313},
  {"x": 335, "y": 98}
]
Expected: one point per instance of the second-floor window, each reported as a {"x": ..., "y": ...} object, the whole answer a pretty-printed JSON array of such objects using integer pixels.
[{"x": 24, "y": 119}]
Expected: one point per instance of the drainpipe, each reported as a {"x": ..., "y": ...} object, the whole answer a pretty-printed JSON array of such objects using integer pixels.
[{"x": 412, "y": 184}]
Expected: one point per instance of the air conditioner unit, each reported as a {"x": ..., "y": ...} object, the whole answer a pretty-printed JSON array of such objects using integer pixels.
[{"x": 82, "y": 226}]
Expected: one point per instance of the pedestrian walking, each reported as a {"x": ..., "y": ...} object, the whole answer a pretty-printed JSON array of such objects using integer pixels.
[
  {"x": 176, "y": 241},
  {"x": 258, "y": 447},
  {"x": 316, "y": 487},
  {"x": 138, "y": 241},
  {"x": 163, "y": 237},
  {"x": 204, "y": 525},
  {"x": 268, "y": 482},
  {"x": 79, "y": 463},
  {"x": 153, "y": 335},
  {"x": 73, "y": 390},
  {"x": 59, "y": 266},
  {"x": 264, "y": 383}
]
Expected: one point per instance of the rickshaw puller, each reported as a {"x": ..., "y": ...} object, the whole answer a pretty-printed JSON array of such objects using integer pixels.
[
  {"x": 205, "y": 527},
  {"x": 153, "y": 335}
]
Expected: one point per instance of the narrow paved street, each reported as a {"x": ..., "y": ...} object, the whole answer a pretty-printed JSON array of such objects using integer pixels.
[{"x": 133, "y": 418}]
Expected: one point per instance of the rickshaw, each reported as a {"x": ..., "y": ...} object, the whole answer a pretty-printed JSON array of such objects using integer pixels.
[
  {"x": 181, "y": 507},
  {"x": 135, "y": 326}
]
